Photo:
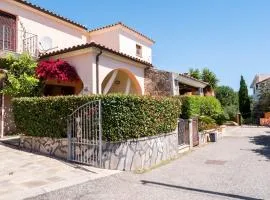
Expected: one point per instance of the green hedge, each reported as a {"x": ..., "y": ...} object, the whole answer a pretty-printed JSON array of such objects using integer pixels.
[
  {"x": 194, "y": 106},
  {"x": 124, "y": 116}
]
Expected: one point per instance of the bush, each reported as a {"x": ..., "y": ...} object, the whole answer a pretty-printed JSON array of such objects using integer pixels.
[
  {"x": 194, "y": 106},
  {"x": 21, "y": 79},
  {"x": 124, "y": 116},
  {"x": 231, "y": 112},
  {"x": 206, "y": 123}
]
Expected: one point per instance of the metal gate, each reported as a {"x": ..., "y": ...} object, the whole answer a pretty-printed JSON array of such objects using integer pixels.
[
  {"x": 85, "y": 134},
  {"x": 195, "y": 131},
  {"x": 183, "y": 132}
]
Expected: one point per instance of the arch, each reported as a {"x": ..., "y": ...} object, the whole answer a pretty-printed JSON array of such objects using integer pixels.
[{"x": 121, "y": 81}]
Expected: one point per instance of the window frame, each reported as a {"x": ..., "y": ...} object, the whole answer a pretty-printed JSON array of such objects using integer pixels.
[{"x": 139, "y": 47}]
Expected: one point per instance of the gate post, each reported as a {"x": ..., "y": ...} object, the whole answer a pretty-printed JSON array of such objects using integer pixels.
[
  {"x": 190, "y": 129},
  {"x": 100, "y": 132},
  {"x": 69, "y": 141}
]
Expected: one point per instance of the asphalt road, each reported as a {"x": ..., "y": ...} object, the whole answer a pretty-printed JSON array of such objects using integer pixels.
[{"x": 236, "y": 167}]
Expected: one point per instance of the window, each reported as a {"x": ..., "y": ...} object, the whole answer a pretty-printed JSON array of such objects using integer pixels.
[
  {"x": 7, "y": 31},
  {"x": 138, "y": 50}
]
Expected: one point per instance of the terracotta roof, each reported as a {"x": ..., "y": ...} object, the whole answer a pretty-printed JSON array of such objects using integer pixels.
[
  {"x": 95, "y": 45},
  {"x": 120, "y": 23},
  {"x": 187, "y": 76},
  {"x": 50, "y": 13}
]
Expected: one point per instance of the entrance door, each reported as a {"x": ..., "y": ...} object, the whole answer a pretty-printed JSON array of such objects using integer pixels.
[{"x": 7, "y": 32}]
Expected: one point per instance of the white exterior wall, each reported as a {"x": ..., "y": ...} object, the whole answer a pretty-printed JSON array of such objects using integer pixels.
[
  {"x": 108, "y": 64},
  {"x": 122, "y": 41},
  {"x": 107, "y": 38},
  {"x": 83, "y": 63},
  {"x": 43, "y": 25},
  {"x": 128, "y": 45}
]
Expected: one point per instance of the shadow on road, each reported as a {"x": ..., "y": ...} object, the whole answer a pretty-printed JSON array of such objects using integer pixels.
[
  {"x": 264, "y": 142},
  {"x": 198, "y": 190}
]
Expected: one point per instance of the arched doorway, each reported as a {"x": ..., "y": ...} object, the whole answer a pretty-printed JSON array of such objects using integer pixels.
[{"x": 121, "y": 81}]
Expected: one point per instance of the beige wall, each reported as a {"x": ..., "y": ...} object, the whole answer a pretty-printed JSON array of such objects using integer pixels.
[
  {"x": 123, "y": 40},
  {"x": 108, "y": 38},
  {"x": 128, "y": 45},
  {"x": 62, "y": 34},
  {"x": 84, "y": 62},
  {"x": 110, "y": 63}
]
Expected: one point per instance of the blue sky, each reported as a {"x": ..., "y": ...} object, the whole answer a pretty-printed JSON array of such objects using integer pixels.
[{"x": 231, "y": 37}]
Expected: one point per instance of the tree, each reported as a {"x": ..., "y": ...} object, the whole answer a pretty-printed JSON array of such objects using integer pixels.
[
  {"x": 226, "y": 95},
  {"x": 21, "y": 80},
  {"x": 229, "y": 101},
  {"x": 244, "y": 101},
  {"x": 195, "y": 73},
  {"x": 209, "y": 77}
]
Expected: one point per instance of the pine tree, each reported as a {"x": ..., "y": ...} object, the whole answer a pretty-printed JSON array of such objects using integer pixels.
[{"x": 244, "y": 101}]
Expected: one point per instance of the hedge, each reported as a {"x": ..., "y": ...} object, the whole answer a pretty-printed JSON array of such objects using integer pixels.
[
  {"x": 195, "y": 106},
  {"x": 123, "y": 116}
]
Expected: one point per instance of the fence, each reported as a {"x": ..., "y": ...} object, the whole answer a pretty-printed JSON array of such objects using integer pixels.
[{"x": 17, "y": 41}]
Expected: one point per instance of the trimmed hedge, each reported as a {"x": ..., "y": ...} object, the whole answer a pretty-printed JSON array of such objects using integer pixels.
[
  {"x": 195, "y": 106},
  {"x": 123, "y": 116}
]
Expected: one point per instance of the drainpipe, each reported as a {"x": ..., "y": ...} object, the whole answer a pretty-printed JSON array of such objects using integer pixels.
[{"x": 97, "y": 71}]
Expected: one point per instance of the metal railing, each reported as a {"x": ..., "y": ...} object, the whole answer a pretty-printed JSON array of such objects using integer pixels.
[{"x": 18, "y": 41}]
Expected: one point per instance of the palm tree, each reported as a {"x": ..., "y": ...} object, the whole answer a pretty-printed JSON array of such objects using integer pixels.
[{"x": 209, "y": 77}]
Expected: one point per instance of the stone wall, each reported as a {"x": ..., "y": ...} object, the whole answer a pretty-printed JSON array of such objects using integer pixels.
[
  {"x": 141, "y": 153},
  {"x": 133, "y": 154},
  {"x": 158, "y": 82},
  {"x": 49, "y": 146}
]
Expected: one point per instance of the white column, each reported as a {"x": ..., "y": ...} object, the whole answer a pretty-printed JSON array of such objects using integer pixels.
[
  {"x": 110, "y": 82},
  {"x": 128, "y": 86}
]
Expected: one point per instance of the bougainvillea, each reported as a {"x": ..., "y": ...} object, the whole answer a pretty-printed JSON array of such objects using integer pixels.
[{"x": 57, "y": 70}]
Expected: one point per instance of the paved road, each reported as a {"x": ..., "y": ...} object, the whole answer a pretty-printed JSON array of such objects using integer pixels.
[{"x": 237, "y": 167}]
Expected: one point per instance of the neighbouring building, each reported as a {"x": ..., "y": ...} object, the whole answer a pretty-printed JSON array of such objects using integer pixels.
[
  {"x": 259, "y": 81},
  {"x": 164, "y": 83}
]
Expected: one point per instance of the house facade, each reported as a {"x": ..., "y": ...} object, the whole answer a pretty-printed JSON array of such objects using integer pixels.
[
  {"x": 107, "y": 59},
  {"x": 110, "y": 59},
  {"x": 258, "y": 83}
]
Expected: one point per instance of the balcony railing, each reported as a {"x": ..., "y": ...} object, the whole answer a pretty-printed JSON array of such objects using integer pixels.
[{"x": 18, "y": 41}]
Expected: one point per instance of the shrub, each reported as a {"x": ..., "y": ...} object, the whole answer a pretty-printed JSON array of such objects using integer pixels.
[
  {"x": 21, "y": 79},
  {"x": 231, "y": 112},
  {"x": 194, "y": 106},
  {"x": 56, "y": 70},
  {"x": 124, "y": 116},
  {"x": 206, "y": 123}
]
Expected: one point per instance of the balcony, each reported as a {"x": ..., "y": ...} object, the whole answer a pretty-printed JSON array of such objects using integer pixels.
[{"x": 17, "y": 41}]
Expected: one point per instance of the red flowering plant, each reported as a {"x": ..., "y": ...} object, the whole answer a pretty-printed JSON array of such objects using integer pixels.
[{"x": 57, "y": 70}]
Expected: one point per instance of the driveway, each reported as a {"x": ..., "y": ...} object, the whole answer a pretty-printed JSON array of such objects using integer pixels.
[
  {"x": 237, "y": 167},
  {"x": 23, "y": 174}
]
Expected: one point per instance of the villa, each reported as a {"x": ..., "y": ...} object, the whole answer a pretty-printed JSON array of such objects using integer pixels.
[{"x": 110, "y": 59}]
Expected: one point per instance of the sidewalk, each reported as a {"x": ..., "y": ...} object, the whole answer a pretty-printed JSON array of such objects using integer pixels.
[{"x": 23, "y": 174}]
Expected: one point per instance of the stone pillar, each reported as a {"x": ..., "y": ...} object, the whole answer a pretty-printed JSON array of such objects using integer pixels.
[
  {"x": 200, "y": 91},
  {"x": 190, "y": 128}
]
